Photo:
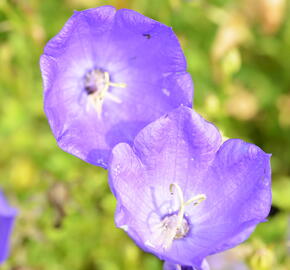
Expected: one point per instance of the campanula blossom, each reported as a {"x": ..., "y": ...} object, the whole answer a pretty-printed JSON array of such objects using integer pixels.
[
  {"x": 183, "y": 194},
  {"x": 7, "y": 216},
  {"x": 106, "y": 75}
]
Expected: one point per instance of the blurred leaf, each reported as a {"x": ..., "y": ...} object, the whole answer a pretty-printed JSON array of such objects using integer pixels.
[{"x": 281, "y": 193}]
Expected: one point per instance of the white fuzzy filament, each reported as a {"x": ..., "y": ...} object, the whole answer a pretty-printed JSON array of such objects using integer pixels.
[
  {"x": 173, "y": 226},
  {"x": 96, "y": 99},
  {"x": 196, "y": 200}
]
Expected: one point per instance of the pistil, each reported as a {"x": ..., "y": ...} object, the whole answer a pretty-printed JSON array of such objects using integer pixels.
[
  {"x": 195, "y": 200},
  {"x": 97, "y": 83},
  {"x": 174, "y": 226}
]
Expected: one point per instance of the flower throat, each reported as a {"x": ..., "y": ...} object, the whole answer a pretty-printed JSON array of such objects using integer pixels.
[
  {"x": 96, "y": 84},
  {"x": 173, "y": 226}
]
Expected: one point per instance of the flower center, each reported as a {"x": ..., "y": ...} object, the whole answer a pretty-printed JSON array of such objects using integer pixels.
[
  {"x": 174, "y": 226},
  {"x": 96, "y": 84}
]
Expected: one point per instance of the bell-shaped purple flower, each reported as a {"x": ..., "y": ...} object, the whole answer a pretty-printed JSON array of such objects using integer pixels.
[
  {"x": 7, "y": 216},
  {"x": 183, "y": 194},
  {"x": 106, "y": 75}
]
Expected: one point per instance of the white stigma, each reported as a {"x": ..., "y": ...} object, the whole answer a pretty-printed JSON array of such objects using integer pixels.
[
  {"x": 174, "y": 226},
  {"x": 97, "y": 83}
]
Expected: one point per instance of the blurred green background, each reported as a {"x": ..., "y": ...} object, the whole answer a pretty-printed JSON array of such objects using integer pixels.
[{"x": 238, "y": 54}]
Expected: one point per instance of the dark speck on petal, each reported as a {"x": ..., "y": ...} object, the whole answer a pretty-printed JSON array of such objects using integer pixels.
[{"x": 148, "y": 36}]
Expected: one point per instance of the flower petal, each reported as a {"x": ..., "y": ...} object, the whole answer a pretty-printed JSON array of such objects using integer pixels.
[
  {"x": 7, "y": 216},
  {"x": 238, "y": 193},
  {"x": 126, "y": 179},
  {"x": 177, "y": 142}
]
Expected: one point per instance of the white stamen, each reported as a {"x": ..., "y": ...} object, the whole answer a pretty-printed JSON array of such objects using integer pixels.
[
  {"x": 196, "y": 200},
  {"x": 173, "y": 226},
  {"x": 97, "y": 83},
  {"x": 120, "y": 85}
]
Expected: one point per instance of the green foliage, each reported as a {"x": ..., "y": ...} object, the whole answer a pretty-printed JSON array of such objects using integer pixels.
[{"x": 242, "y": 84}]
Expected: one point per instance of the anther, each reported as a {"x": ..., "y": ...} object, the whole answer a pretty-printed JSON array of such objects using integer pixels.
[
  {"x": 195, "y": 200},
  {"x": 120, "y": 85},
  {"x": 97, "y": 83}
]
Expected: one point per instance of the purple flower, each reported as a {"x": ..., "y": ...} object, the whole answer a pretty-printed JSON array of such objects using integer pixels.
[
  {"x": 7, "y": 216},
  {"x": 106, "y": 75},
  {"x": 183, "y": 194}
]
